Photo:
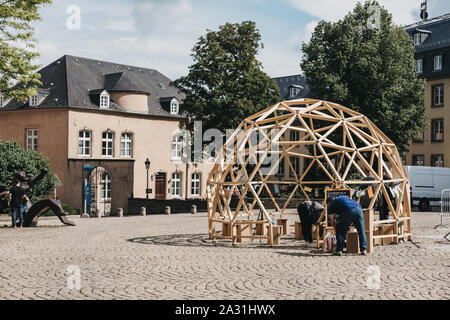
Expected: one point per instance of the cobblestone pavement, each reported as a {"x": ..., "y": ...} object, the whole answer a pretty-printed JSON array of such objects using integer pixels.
[{"x": 170, "y": 257}]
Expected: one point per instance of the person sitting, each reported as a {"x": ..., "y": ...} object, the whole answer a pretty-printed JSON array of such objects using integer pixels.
[
  {"x": 309, "y": 213},
  {"x": 347, "y": 211}
]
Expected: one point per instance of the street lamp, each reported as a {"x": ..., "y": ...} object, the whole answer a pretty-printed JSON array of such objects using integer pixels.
[{"x": 147, "y": 166}]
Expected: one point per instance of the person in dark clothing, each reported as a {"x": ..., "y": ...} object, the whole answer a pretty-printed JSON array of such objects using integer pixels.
[
  {"x": 16, "y": 199},
  {"x": 347, "y": 211},
  {"x": 309, "y": 213}
]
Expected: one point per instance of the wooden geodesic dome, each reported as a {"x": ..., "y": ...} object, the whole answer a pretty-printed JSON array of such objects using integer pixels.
[{"x": 338, "y": 148}]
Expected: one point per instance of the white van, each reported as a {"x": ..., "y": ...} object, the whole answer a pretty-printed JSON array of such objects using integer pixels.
[{"x": 427, "y": 184}]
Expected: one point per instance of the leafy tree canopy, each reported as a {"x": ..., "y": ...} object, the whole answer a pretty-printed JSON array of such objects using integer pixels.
[
  {"x": 18, "y": 77},
  {"x": 226, "y": 83},
  {"x": 369, "y": 68},
  {"x": 14, "y": 159}
]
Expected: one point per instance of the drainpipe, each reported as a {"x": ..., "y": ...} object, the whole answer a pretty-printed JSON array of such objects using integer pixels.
[{"x": 187, "y": 172}]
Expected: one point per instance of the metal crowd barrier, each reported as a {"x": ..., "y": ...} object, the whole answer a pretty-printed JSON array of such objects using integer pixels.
[{"x": 445, "y": 210}]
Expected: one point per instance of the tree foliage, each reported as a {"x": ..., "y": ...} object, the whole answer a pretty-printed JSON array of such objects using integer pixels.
[
  {"x": 226, "y": 83},
  {"x": 18, "y": 77},
  {"x": 13, "y": 159},
  {"x": 368, "y": 69}
]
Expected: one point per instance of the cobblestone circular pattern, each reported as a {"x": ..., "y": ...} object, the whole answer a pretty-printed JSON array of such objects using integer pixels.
[{"x": 170, "y": 257}]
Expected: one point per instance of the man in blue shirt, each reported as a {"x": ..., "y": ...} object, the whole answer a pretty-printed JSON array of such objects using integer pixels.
[{"x": 347, "y": 211}]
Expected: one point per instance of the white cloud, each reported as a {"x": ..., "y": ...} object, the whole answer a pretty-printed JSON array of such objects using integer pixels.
[{"x": 403, "y": 11}]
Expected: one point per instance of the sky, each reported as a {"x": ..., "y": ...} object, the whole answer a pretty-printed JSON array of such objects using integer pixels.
[{"x": 160, "y": 34}]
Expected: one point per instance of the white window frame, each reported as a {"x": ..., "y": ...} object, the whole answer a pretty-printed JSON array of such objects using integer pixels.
[
  {"x": 438, "y": 63},
  {"x": 2, "y": 101},
  {"x": 108, "y": 144},
  {"x": 174, "y": 106},
  {"x": 419, "y": 66},
  {"x": 32, "y": 139},
  {"x": 177, "y": 147},
  {"x": 175, "y": 185},
  {"x": 196, "y": 184},
  {"x": 292, "y": 92},
  {"x": 35, "y": 101},
  {"x": 126, "y": 145},
  {"x": 104, "y": 100},
  {"x": 82, "y": 143},
  {"x": 440, "y": 90},
  {"x": 106, "y": 186},
  {"x": 417, "y": 39}
]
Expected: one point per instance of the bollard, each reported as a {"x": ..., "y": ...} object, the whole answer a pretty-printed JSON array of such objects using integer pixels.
[
  {"x": 84, "y": 216},
  {"x": 167, "y": 211},
  {"x": 143, "y": 211},
  {"x": 120, "y": 213},
  {"x": 194, "y": 209}
]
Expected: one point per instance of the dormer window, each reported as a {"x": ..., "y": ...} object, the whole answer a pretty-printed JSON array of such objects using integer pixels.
[
  {"x": 438, "y": 63},
  {"x": 417, "y": 39},
  {"x": 104, "y": 100},
  {"x": 295, "y": 91},
  {"x": 36, "y": 100},
  {"x": 174, "y": 106}
]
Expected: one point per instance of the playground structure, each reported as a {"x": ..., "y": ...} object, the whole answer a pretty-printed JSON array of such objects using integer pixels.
[{"x": 341, "y": 146}]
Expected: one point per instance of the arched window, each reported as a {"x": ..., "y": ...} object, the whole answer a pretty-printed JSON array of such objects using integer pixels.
[
  {"x": 107, "y": 144},
  {"x": 104, "y": 100},
  {"x": 84, "y": 143}
]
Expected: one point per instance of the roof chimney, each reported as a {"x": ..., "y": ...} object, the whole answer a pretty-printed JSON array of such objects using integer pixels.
[{"x": 424, "y": 10}]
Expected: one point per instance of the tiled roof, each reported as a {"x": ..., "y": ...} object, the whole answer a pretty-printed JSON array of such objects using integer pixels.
[
  {"x": 72, "y": 81},
  {"x": 297, "y": 81},
  {"x": 438, "y": 30}
]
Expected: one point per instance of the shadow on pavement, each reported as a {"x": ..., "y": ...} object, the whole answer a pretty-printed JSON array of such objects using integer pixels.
[{"x": 202, "y": 240}]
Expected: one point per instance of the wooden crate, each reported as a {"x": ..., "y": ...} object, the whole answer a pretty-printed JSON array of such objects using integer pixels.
[
  {"x": 284, "y": 223},
  {"x": 387, "y": 230},
  {"x": 377, "y": 232},
  {"x": 226, "y": 229},
  {"x": 298, "y": 231},
  {"x": 274, "y": 233},
  {"x": 352, "y": 242},
  {"x": 244, "y": 230},
  {"x": 260, "y": 229}
]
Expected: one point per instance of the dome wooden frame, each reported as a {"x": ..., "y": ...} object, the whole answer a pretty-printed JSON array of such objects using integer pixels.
[{"x": 340, "y": 141}]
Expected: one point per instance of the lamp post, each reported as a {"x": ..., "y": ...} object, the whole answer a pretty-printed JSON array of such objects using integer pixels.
[{"x": 147, "y": 166}]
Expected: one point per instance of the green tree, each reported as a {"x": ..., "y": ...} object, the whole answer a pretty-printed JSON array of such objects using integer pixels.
[
  {"x": 18, "y": 77},
  {"x": 13, "y": 159},
  {"x": 369, "y": 68},
  {"x": 226, "y": 83}
]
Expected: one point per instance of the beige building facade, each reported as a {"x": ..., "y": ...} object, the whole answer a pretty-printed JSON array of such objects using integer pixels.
[
  {"x": 432, "y": 146},
  {"x": 432, "y": 53},
  {"x": 98, "y": 138}
]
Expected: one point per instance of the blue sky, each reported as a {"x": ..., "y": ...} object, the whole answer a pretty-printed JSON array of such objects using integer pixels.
[{"x": 160, "y": 34}]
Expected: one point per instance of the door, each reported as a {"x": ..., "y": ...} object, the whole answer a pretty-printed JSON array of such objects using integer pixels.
[{"x": 160, "y": 186}]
